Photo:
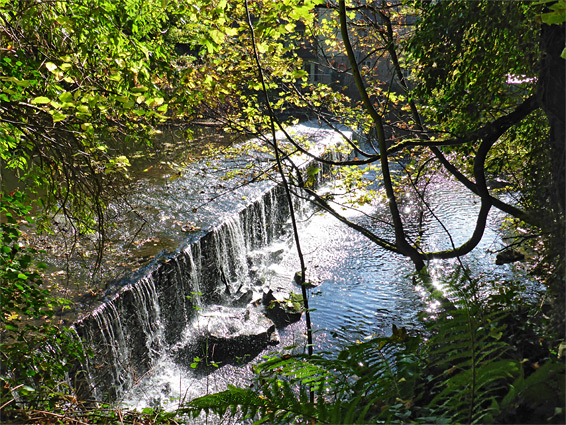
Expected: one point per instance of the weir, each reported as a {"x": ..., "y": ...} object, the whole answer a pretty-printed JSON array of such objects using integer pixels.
[{"x": 205, "y": 300}]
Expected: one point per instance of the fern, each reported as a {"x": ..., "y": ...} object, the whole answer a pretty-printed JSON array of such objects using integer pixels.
[
  {"x": 470, "y": 358},
  {"x": 358, "y": 386},
  {"x": 275, "y": 405},
  {"x": 540, "y": 392},
  {"x": 466, "y": 371}
]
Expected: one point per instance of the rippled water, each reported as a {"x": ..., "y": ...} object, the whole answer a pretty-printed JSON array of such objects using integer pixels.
[
  {"x": 165, "y": 208},
  {"x": 361, "y": 290},
  {"x": 364, "y": 289}
]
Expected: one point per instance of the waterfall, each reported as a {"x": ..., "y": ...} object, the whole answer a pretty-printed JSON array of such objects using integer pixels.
[
  {"x": 149, "y": 315},
  {"x": 158, "y": 308},
  {"x": 231, "y": 254}
]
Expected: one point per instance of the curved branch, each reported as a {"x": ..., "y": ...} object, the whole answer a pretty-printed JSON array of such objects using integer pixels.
[
  {"x": 497, "y": 203},
  {"x": 481, "y": 220},
  {"x": 489, "y": 134},
  {"x": 491, "y": 130},
  {"x": 321, "y": 202},
  {"x": 400, "y": 241}
]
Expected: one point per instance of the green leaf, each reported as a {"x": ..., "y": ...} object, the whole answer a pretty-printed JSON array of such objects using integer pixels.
[
  {"x": 40, "y": 100},
  {"x": 83, "y": 109},
  {"x": 51, "y": 67},
  {"x": 554, "y": 18},
  {"x": 23, "y": 83},
  {"x": 139, "y": 89},
  {"x": 152, "y": 103},
  {"x": 66, "y": 97},
  {"x": 57, "y": 116}
]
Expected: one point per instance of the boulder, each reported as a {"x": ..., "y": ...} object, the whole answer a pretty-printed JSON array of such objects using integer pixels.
[
  {"x": 227, "y": 335},
  {"x": 509, "y": 256},
  {"x": 244, "y": 299},
  {"x": 283, "y": 310}
]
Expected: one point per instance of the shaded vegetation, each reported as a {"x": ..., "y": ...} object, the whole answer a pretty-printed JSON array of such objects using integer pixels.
[{"x": 86, "y": 83}]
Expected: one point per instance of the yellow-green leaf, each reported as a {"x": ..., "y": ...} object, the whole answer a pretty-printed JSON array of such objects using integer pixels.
[
  {"x": 157, "y": 101},
  {"x": 262, "y": 47},
  {"x": 139, "y": 89},
  {"x": 57, "y": 116},
  {"x": 40, "y": 100},
  {"x": 66, "y": 97},
  {"x": 51, "y": 67}
]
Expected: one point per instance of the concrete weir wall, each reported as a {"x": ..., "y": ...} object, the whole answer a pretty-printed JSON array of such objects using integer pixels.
[
  {"x": 214, "y": 273},
  {"x": 151, "y": 313}
]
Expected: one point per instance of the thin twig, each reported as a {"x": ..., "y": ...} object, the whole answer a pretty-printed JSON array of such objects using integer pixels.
[{"x": 287, "y": 191}]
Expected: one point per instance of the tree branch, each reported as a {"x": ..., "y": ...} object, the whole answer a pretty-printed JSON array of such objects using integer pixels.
[{"x": 400, "y": 240}]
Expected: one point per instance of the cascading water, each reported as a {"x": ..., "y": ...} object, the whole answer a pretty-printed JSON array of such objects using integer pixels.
[
  {"x": 205, "y": 300},
  {"x": 198, "y": 304}
]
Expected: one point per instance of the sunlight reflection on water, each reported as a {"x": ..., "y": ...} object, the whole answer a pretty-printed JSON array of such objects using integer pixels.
[
  {"x": 361, "y": 289},
  {"x": 364, "y": 289}
]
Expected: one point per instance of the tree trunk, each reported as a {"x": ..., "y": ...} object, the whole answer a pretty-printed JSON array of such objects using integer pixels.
[{"x": 551, "y": 95}]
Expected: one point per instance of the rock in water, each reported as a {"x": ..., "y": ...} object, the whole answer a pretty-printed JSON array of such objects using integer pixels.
[
  {"x": 283, "y": 311},
  {"x": 509, "y": 256},
  {"x": 228, "y": 335}
]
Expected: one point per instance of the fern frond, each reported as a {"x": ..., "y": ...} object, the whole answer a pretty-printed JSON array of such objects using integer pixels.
[
  {"x": 306, "y": 372},
  {"x": 234, "y": 398},
  {"x": 467, "y": 350}
]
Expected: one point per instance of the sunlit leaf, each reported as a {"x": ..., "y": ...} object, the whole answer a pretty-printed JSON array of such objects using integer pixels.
[
  {"x": 57, "y": 116},
  {"x": 66, "y": 97},
  {"x": 51, "y": 66},
  {"x": 40, "y": 100}
]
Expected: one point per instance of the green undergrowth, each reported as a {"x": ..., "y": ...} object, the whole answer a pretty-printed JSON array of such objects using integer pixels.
[
  {"x": 484, "y": 360},
  {"x": 38, "y": 354},
  {"x": 36, "y": 351}
]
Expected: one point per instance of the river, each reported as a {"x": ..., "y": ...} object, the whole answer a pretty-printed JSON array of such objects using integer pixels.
[{"x": 360, "y": 289}]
